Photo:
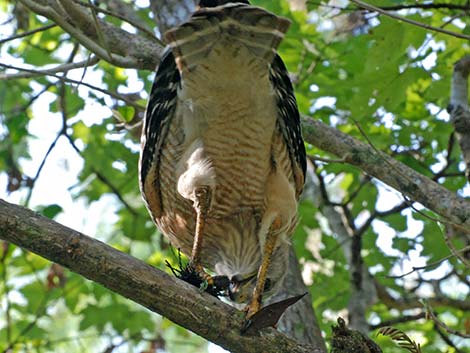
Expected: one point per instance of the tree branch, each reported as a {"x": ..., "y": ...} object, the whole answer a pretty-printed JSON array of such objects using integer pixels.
[
  {"x": 451, "y": 207},
  {"x": 112, "y": 94},
  {"x": 412, "y": 302},
  {"x": 140, "y": 282},
  {"x": 361, "y": 286},
  {"x": 407, "y": 20},
  {"x": 126, "y": 14},
  {"x": 28, "y": 33},
  {"x": 47, "y": 72},
  {"x": 128, "y": 50},
  {"x": 429, "y": 6},
  {"x": 399, "y": 320},
  {"x": 458, "y": 108},
  {"x": 442, "y": 325}
]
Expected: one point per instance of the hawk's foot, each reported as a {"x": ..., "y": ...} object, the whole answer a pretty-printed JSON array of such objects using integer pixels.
[
  {"x": 214, "y": 285},
  {"x": 252, "y": 308}
]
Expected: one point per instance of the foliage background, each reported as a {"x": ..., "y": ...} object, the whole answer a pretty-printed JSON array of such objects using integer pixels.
[{"x": 70, "y": 152}]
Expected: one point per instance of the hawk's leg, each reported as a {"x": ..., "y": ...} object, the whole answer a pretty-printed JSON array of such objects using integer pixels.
[
  {"x": 197, "y": 183},
  {"x": 278, "y": 222},
  {"x": 269, "y": 246},
  {"x": 202, "y": 199}
]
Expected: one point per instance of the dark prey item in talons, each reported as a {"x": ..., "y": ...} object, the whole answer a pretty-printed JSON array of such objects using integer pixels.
[
  {"x": 269, "y": 315},
  {"x": 189, "y": 274}
]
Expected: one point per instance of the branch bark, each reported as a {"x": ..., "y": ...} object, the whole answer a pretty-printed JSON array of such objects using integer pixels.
[
  {"x": 451, "y": 207},
  {"x": 107, "y": 41},
  {"x": 140, "y": 282},
  {"x": 458, "y": 108}
]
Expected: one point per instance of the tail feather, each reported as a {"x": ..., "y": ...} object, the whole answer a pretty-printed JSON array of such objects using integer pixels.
[{"x": 257, "y": 29}]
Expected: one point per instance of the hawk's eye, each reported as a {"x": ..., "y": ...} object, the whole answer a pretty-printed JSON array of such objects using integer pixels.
[{"x": 267, "y": 284}]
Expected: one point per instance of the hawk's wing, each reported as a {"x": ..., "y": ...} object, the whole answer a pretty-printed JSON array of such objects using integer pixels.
[
  {"x": 160, "y": 110},
  {"x": 289, "y": 120}
]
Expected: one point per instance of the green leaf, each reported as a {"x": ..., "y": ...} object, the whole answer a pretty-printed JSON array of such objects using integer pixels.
[{"x": 50, "y": 211}]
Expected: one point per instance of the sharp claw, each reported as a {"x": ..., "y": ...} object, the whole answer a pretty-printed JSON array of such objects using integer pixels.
[{"x": 246, "y": 326}]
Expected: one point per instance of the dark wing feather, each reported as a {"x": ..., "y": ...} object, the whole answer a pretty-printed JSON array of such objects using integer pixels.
[
  {"x": 160, "y": 110},
  {"x": 289, "y": 119}
]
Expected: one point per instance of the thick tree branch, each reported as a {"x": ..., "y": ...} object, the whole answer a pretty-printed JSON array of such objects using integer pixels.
[
  {"x": 140, "y": 282},
  {"x": 451, "y": 207},
  {"x": 126, "y": 49}
]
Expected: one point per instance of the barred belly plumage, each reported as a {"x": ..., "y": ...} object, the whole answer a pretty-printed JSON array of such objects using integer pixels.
[{"x": 239, "y": 120}]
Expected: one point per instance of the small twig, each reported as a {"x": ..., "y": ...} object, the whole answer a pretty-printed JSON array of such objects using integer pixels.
[
  {"x": 149, "y": 33},
  {"x": 365, "y": 180},
  {"x": 32, "y": 181},
  {"x": 449, "y": 231},
  {"x": 38, "y": 172},
  {"x": 99, "y": 33},
  {"x": 429, "y": 6},
  {"x": 326, "y": 160},
  {"x": 98, "y": 174},
  {"x": 115, "y": 191},
  {"x": 398, "y": 208},
  {"x": 46, "y": 72},
  {"x": 412, "y": 206},
  {"x": 28, "y": 33},
  {"x": 399, "y": 172},
  {"x": 90, "y": 57},
  {"x": 436, "y": 263},
  {"x": 399, "y": 320},
  {"x": 25, "y": 106},
  {"x": 446, "y": 339},
  {"x": 109, "y": 93},
  {"x": 39, "y": 313},
  {"x": 435, "y": 319},
  {"x": 409, "y": 21}
]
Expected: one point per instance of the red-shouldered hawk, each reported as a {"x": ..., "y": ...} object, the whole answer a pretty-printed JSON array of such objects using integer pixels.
[{"x": 223, "y": 160}]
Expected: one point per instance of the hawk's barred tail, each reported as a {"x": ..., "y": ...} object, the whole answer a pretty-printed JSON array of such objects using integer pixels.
[{"x": 257, "y": 29}]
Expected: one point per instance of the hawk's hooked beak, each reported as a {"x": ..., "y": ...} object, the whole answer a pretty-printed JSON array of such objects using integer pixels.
[{"x": 240, "y": 288}]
